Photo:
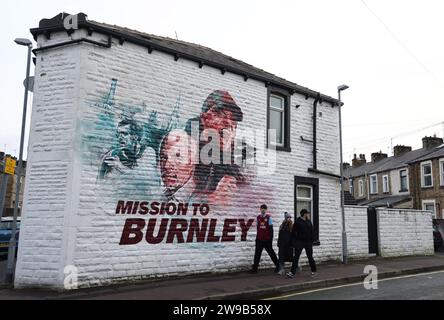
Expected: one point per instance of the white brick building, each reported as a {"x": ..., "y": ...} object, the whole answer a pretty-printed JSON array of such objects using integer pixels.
[{"x": 104, "y": 99}]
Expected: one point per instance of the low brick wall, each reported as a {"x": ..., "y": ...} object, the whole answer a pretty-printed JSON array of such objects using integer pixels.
[
  {"x": 357, "y": 232},
  {"x": 401, "y": 232},
  {"x": 405, "y": 232}
]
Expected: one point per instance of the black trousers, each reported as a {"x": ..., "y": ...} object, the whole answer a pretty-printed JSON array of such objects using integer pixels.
[
  {"x": 308, "y": 246},
  {"x": 268, "y": 246}
]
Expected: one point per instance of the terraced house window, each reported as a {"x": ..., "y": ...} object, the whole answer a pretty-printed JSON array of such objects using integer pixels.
[
  {"x": 441, "y": 171},
  {"x": 373, "y": 184},
  {"x": 429, "y": 205},
  {"x": 361, "y": 188},
  {"x": 279, "y": 118},
  {"x": 426, "y": 174},
  {"x": 403, "y": 178},
  {"x": 385, "y": 184}
]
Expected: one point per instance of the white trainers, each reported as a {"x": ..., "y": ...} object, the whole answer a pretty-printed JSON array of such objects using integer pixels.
[{"x": 290, "y": 275}]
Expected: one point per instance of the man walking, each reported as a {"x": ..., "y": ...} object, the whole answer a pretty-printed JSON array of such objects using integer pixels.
[
  {"x": 264, "y": 240},
  {"x": 303, "y": 235}
]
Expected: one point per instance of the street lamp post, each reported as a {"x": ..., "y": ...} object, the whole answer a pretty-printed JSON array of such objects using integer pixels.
[
  {"x": 13, "y": 241},
  {"x": 344, "y": 232}
]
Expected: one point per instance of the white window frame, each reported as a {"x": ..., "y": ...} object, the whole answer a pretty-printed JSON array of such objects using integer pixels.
[
  {"x": 385, "y": 184},
  {"x": 298, "y": 198},
  {"x": 361, "y": 188},
  {"x": 426, "y": 202},
  {"x": 376, "y": 184},
  {"x": 441, "y": 171},
  {"x": 275, "y": 143},
  {"x": 407, "y": 180},
  {"x": 351, "y": 188},
  {"x": 423, "y": 164}
]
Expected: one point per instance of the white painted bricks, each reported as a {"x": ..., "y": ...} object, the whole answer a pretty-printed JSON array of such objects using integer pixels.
[
  {"x": 400, "y": 232},
  {"x": 405, "y": 232}
]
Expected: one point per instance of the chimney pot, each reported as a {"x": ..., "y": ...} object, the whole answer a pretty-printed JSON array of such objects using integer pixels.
[
  {"x": 377, "y": 156},
  {"x": 431, "y": 142},
  {"x": 400, "y": 150}
]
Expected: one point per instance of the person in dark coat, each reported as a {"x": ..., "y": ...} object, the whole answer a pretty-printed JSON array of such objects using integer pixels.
[
  {"x": 303, "y": 238},
  {"x": 284, "y": 242}
]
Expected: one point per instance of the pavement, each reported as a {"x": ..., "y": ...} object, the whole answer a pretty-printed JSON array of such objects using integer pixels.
[{"x": 240, "y": 285}]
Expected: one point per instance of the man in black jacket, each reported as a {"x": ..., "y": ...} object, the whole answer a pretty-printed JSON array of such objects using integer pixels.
[{"x": 303, "y": 237}]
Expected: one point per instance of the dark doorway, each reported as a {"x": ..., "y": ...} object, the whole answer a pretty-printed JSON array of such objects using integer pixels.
[{"x": 372, "y": 224}]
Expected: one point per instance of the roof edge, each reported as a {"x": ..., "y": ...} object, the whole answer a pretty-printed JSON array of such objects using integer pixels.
[{"x": 55, "y": 24}]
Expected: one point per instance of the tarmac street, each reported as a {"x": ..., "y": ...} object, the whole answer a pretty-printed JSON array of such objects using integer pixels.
[{"x": 424, "y": 286}]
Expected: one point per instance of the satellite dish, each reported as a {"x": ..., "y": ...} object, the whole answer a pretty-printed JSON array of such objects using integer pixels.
[{"x": 30, "y": 84}]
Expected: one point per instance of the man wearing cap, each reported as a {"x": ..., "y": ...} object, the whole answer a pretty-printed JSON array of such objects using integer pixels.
[
  {"x": 303, "y": 235},
  {"x": 221, "y": 114},
  {"x": 264, "y": 240}
]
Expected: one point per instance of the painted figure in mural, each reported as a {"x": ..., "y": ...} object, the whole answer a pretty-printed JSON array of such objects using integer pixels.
[
  {"x": 220, "y": 113},
  {"x": 130, "y": 168},
  {"x": 178, "y": 155},
  {"x": 129, "y": 151}
]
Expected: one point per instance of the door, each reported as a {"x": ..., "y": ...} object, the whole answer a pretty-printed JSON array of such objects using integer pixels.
[{"x": 372, "y": 224}]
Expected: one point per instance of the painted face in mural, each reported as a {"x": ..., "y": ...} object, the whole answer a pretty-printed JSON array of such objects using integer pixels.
[
  {"x": 129, "y": 139},
  {"x": 223, "y": 121},
  {"x": 177, "y": 157}
]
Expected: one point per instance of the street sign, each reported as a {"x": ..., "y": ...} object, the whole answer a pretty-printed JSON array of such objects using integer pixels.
[{"x": 10, "y": 165}]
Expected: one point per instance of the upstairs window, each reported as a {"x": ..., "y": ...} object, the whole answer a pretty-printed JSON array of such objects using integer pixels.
[
  {"x": 351, "y": 188},
  {"x": 403, "y": 177},
  {"x": 441, "y": 171},
  {"x": 426, "y": 175},
  {"x": 279, "y": 119},
  {"x": 385, "y": 184},
  {"x": 374, "y": 184},
  {"x": 361, "y": 188}
]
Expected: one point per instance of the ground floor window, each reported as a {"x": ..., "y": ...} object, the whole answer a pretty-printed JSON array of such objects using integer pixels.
[
  {"x": 429, "y": 205},
  {"x": 306, "y": 192}
]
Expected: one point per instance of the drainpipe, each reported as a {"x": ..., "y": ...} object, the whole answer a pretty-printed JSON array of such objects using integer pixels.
[{"x": 315, "y": 111}]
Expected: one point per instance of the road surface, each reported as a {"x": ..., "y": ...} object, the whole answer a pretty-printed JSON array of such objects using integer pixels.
[{"x": 424, "y": 286}]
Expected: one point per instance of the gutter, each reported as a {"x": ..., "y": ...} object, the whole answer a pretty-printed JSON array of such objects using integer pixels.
[{"x": 61, "y": 44}]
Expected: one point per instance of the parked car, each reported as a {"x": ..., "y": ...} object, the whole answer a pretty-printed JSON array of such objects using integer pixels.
[
  {"x": 437, "y": 238},
  {"x": 6, "y": 233}
]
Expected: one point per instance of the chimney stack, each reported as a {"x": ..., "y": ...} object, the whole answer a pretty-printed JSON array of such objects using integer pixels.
[
  {"x": 377, "y": 156},
  {"x": 345, "y": 165},
  {"x": 431, "y": 142},
  {"x": 400, "y": 150},
  {"x": 357, "y": 162}
]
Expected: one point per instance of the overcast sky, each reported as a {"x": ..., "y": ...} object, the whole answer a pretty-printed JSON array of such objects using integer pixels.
[{"x": 390, "y": 53}]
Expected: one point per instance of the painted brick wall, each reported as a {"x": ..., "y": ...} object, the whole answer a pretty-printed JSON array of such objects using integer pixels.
[
  {"x": 405, "y": 232},
  {"x": 69, "y": 219},
  {"x": 357, "y": 231},
  {"x": 48, "y": 189}
]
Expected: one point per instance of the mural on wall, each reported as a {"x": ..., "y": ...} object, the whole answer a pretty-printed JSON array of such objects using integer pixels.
[{"x": 171, "y": 167}]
